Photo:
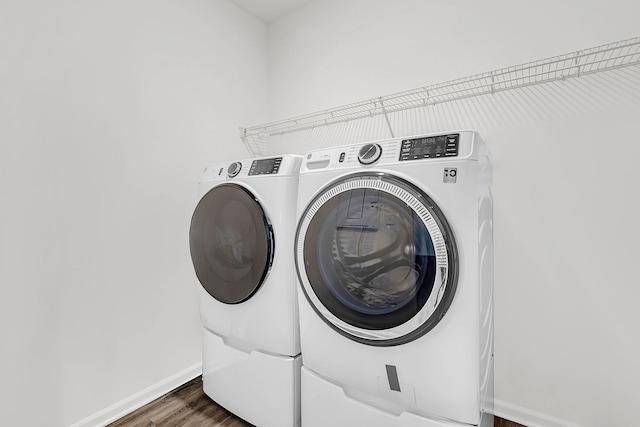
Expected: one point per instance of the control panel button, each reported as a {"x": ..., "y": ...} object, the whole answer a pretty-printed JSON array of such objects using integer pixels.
[{"x": 341, "y": 159}]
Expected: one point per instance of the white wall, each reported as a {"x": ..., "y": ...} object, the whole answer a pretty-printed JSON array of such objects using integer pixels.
[
  {"x": 334, "y": 52},
  {"x": 109, "y": 110},
  {"x": 566, "y": 214}
]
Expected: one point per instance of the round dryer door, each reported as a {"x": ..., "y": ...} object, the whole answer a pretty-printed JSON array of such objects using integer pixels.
[
  {"x": 231, "y": 243},
  {"x": 376, "y": 259}
]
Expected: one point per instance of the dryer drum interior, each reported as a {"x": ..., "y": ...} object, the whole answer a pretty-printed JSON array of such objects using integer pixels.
[
  {"x": 376, "y": 259},
  {"x": 231, "y": 242}
]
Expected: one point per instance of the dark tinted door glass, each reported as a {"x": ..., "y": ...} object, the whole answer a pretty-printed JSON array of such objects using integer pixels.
[
  {"x": 231, "y": 243},
  {"x": 369, "y": 259}
]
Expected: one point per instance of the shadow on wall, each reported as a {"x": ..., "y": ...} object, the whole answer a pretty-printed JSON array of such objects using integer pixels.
[{"x": 550, "y": 101}]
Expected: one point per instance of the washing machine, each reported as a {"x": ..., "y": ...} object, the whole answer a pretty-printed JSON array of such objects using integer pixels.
[
  {"x": 241, "y": 236},
  {"x": 394, "y": 253}
]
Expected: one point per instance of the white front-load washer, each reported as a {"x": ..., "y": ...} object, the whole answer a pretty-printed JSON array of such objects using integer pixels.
[
  {"x": 240, "y": 238},
  {"x": 394, "y": 257}
]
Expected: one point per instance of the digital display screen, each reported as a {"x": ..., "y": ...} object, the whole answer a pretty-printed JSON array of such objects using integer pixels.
[
  {"x": 265, "y": 166},
  {"x": 430, "y": 147}
]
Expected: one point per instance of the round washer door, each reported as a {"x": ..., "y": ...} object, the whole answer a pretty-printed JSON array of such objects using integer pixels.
[
  {"x": 231, "y": 242},
  {"x": 376, "y": 259}
]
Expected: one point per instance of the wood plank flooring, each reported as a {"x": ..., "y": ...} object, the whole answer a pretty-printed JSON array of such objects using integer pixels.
[
  {"x": 188, "y": 406},
  {"x": 501, "y": 422}
]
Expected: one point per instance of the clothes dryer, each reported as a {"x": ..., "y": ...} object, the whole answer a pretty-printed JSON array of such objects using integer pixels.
[
  {"x": 394, "y": 258},
  {"x": 240, "y": 238}
]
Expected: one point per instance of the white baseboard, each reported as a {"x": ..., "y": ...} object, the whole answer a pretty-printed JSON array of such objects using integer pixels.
[
  {"x": 131, "y": 403},
  {"x": 528, "y": 417}
]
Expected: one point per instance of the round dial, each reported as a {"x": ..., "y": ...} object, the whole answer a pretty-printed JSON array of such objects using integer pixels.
[
  {"x": 369, "y": 153},
  {"x": 234, "y": 169}
]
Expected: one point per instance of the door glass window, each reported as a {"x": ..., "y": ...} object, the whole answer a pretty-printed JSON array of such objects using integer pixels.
[
  {"x": 369, "y": 258},
  {"x": 376, "y": 259},
  {"x": 231, "y": 243}
]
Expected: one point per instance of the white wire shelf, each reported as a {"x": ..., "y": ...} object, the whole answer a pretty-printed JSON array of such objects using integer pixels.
[{"x": 583, "y": 62}]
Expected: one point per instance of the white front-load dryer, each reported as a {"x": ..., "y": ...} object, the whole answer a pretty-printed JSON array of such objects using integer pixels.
[
  {"x": 240, "y": 238},
  {"x": 394, "y": 258}
]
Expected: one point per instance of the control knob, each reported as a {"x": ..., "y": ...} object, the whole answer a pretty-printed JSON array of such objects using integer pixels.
[
  {"x": 234, "y": 169},
  {"x": 369, "y": 153}
]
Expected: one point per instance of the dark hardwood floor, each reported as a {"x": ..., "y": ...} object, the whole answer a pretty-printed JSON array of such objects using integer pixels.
[
  {"x": 501, "y": 422},
  {"x": 188, "y": 406}
]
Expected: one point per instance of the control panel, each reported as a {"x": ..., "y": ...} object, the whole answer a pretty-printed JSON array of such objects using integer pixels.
[
  {"x": 265, "y": 166},
  {"x": 429, "y": 147},
  {"x": 285, "y": 165}
]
